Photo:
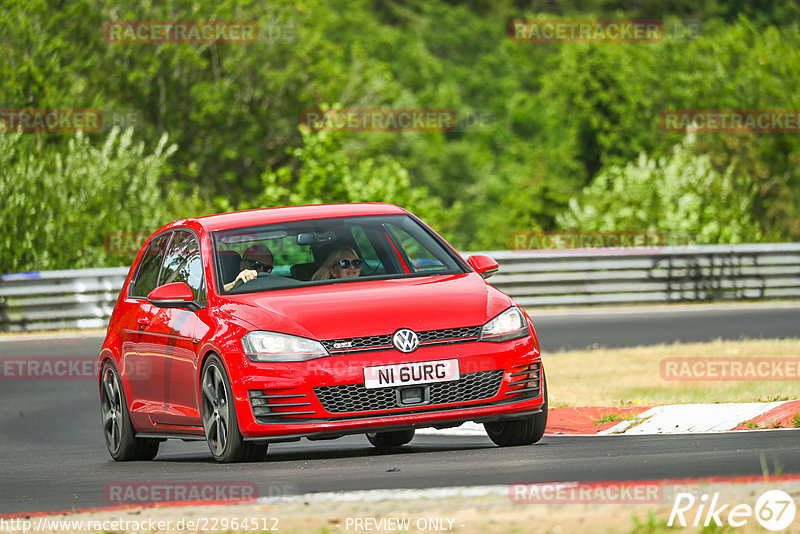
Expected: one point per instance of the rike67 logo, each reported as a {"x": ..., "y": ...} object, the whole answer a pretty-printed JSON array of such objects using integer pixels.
[{"x": 774, "y": 510}]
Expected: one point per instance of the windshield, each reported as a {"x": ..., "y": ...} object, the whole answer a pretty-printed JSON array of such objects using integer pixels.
[{"x": 328, "y": 251}]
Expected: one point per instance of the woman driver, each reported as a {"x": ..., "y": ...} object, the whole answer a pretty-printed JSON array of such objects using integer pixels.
[{"x": 341, "y": 263}]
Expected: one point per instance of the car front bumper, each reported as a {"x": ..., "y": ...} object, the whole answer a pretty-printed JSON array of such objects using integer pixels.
[{"x": 327, "y": 398}]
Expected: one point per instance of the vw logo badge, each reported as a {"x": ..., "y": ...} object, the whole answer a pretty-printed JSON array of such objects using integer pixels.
[{"x": 405, "y": 340}]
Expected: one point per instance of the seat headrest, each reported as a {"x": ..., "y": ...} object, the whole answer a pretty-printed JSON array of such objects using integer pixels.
[{"x": 229, "y": 260}]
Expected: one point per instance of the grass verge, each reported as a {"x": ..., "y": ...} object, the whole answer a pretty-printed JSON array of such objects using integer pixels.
[
  {"x": 633, "y": 376},
  {"x": 470, "y": 511}
]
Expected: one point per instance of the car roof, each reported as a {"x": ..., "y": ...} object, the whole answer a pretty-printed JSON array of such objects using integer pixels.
[{"x": 239, "y": 219}]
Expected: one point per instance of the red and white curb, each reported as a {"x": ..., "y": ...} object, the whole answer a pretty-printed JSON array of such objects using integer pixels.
[
  {"x": 670, "y": 419},
  {"x": 688, "y": 418}
]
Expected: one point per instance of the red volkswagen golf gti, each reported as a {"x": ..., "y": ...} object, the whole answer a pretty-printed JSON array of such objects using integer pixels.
[{"x": 250, "y": 328}]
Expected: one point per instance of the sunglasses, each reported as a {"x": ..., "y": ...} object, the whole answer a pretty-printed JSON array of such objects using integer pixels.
[
  {"x": 258, "y": 265},
  {"x": 344, "y": 264}
]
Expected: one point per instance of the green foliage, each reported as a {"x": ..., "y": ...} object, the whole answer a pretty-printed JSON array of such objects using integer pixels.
[
  {"x": 610, "y": 114},
  {"x": 567, "y": 116},
  {"x": 682, "y": 193},
  {"x": 651, "y": 525},
  {"x": 57, "y": 209},
  {"x": 612, "y": 417},
  {"x": 324, "y": 173}
]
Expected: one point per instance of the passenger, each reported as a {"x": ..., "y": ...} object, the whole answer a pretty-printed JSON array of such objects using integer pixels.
[
  {"x": 256, "y": 259},
  {"x": 341, "y": 263}
]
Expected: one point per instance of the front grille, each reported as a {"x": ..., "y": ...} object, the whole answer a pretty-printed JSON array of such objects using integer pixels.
[
  {"x": 357, "y": 343},
  {"x": 449, "y": 333},
  {"x": 384, "y": 342},
  {"x": 357, "y": 398}
]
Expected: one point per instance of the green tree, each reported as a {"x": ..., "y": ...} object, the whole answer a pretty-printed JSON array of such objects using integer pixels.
[
  {"x": 325, "y": 173},
  {"x": 563, "y": 113},
  {"x": 58, "y": 208},
  {"x": 680, "y": 193}
]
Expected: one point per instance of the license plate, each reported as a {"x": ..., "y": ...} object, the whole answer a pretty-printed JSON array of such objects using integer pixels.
[{"x": 404, "y": 374}]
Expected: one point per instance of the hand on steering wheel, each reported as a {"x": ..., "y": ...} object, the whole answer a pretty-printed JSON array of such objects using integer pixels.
[{"x": 245, "y": 276}]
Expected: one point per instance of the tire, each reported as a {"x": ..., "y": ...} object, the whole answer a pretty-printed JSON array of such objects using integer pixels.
[
  {"x": 219, "y": 417},
  {"x": 522, "y": 431},
  {"x": 121, "y": 440},
  {"x": 394, "y": 438}
]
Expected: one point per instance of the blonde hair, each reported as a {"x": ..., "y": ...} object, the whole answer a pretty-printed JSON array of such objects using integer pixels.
[{"x": 324, "y": 271}]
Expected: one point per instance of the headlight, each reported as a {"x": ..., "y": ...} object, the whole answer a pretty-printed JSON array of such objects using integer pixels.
[
  {"x": 508, "y": 325},
  {"x": 275, "y": 347}
]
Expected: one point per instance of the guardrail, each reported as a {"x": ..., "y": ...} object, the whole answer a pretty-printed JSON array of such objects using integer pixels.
[
  {"x": 85, "y": 298},
  {"x": 50, "y": 300},
  {"x": 670, "y": 274}
]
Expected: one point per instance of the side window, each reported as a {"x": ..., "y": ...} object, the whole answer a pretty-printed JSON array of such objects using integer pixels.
[
  {"x": 372, "y": 263},
  {"x": 146, "y": 277},
  {"x": 421, "y": 258},
  {"x": 183, "y": 264}
]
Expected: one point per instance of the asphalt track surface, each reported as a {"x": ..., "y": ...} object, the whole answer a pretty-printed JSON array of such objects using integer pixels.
[{"x": 54, "y": 457}]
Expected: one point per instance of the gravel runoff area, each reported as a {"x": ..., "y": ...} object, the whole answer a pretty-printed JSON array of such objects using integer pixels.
[{"x": 523, "y": 507}]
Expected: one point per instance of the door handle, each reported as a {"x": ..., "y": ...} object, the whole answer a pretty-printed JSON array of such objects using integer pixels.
[{"x": 144, "y": 321}]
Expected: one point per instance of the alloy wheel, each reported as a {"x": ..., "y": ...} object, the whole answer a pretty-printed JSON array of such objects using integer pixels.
[
  {"x": 216, "y": 412},
  {"x": 111, "y": 402}
]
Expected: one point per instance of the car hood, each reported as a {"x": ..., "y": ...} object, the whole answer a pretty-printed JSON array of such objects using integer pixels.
[{"x": 374, "y": 307}]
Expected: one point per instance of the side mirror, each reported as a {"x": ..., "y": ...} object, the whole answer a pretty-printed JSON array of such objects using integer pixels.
[
  {"x": 483, "y": 265},
  {"x": 175, "y": 295}
]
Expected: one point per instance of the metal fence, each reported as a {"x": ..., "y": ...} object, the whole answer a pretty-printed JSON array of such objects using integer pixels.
[
  {"x": 49, "y": 300},
  {"x": 671, "y": 274},
  {"x": 85, "y": 298}
]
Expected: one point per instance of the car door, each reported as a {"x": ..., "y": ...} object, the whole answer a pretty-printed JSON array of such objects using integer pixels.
[
  {"x": 135, "y": 314},
  {"x": 172, "y": 350}
]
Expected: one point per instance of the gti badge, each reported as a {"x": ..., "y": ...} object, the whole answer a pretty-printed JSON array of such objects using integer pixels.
[{"x": 405, "y": 340}]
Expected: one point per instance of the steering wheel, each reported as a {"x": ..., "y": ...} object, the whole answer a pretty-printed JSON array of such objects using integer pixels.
[{"x": 239, "y": 281}]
